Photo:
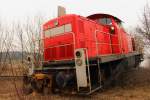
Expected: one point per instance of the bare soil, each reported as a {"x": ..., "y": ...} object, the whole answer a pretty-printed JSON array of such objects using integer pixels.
[{"x": 132, "y": 85}]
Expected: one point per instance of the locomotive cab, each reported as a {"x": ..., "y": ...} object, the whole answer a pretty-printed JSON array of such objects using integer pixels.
[{"x": 108, "y": 21}]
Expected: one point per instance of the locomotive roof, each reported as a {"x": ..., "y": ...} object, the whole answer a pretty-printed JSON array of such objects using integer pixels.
[{"x": 99, "y": 15}]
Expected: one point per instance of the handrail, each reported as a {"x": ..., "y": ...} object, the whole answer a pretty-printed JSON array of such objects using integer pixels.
[
  {"x": 95, "y": 34},
  {"x": 58, "y": 45},
  {"x": 73, "y": 35},
  {"x": 87, "y": 62},
  {"x": 96, "y": 31}
]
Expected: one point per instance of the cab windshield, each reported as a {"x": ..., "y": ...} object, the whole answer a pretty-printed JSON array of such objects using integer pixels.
[{"x": 105, "y": 21}]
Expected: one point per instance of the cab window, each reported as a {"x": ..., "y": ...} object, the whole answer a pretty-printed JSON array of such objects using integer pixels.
[{"x": 105, "y": 21}]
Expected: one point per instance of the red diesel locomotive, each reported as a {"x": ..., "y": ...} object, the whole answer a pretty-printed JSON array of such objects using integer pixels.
[{"x": 82, "y": 54}]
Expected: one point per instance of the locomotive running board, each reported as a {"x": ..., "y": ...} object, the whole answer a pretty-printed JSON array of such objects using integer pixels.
[{"x": 112, "y": 57}]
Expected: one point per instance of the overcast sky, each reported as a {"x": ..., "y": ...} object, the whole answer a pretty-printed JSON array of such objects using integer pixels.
[{"x": 127, "y": 10}]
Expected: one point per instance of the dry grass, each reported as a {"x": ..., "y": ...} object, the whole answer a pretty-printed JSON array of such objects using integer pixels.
[{"x": 135, "y": 86}]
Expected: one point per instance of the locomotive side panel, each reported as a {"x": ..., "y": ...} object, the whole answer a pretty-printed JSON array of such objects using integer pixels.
[
  {"x": 95, "y": 37},
  {"x": 104, "y": 41},
  {"x": 88, "y": 38},
  {"x": 130, "y": 46},
  {"x": 127, "y": 46}
]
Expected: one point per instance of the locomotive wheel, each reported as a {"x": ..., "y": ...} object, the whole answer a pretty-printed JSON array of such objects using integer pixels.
[{"x": 54, "y": 85}]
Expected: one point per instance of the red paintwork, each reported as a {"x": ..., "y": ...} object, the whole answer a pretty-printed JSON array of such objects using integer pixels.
[{"x": 84, "y": 30}]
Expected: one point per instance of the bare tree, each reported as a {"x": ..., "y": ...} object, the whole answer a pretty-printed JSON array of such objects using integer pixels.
[
  {"x": 139, "y": 43},
  {"x": 28, "y": 34},
  {"x": 19, "y": 31},
  {"x": 144, "y": 28},
  {"x": 23, "y": 36},
  {"x": 33, "y": 30}
]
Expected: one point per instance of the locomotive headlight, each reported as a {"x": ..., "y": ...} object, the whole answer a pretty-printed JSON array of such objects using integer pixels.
[
  {"x": 78, "y": 54},
  {"x": 112, "y": 29},
  {"x": 79, "y": 62}
]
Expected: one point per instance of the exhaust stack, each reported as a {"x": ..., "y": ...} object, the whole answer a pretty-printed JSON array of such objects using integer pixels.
[{"x": 61, "y": 11}]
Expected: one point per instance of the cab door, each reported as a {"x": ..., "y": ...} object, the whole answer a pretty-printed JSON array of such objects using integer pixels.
[{"x": 115, "y": 34}]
